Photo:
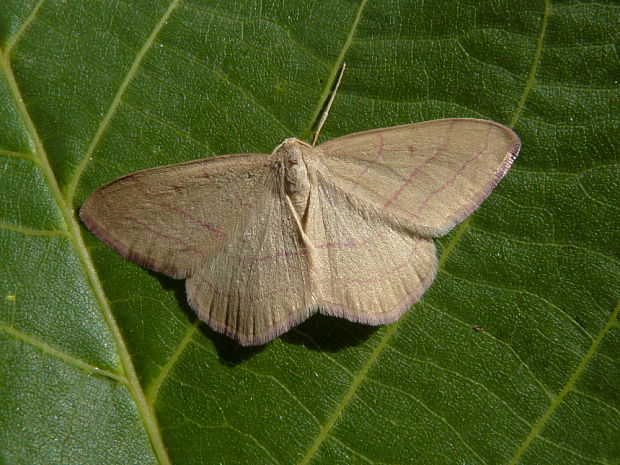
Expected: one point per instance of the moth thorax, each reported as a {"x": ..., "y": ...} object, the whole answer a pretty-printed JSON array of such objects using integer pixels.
[{"x": 295, "y": 172}]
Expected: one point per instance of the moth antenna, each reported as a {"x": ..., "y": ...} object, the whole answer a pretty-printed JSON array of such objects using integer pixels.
[{"x": 329, "y": 105}]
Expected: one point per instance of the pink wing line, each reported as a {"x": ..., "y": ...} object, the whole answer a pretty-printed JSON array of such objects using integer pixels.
[
  {"x": 415, "y": 172},
  {"x": 266, "y": 258},
  {"x": 382, "y": 277},
  {"x": 325, "y": 245},
  {"x": 223, "y": 234},
  {"x": 450, "y": 181},
  {"x": 256, "y": 298},
  {"x": 369, "y": 240},
  {"x": 154, "y": 231},
  {"x": 178, "y": 210}
]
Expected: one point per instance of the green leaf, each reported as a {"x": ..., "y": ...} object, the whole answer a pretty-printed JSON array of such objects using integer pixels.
[{"x": 104, "y": 362}]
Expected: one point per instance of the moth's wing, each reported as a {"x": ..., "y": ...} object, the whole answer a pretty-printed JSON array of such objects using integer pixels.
[
  {"x": 429, "y": 175},
  {"x": 172, "y": 219},
  {"x": 258, "y": 285},
  {"x": 371, "y": 270},
  {"x": 223, "y": 224}
]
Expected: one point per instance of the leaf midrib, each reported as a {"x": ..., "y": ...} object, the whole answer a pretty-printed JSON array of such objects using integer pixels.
[{"x": 65, "y": 207}]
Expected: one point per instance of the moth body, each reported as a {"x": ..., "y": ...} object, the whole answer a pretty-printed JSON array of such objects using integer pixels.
[{"x": 291, "y": 159}]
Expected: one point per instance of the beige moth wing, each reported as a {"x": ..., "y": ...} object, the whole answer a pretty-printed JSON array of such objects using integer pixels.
[
  {"x": 224, "y": 225},
  {"x": 383, "y": 192},
  {"x": 428, "y": 175},
  {"x": 157, "y": 217},
  {"x": 259, "y": 283},
  {"x": 369, "y": 269}
]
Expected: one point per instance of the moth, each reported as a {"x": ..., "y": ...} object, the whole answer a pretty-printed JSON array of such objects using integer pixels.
[{"x": 344, "y": 228}]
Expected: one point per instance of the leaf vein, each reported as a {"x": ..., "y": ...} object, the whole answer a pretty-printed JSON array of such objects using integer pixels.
[
  {"x": 530, "y": 294},
  {"x": 23, "y": 28},
  {"x": 152, "y": 390},
  {"x": 546, "y": 244},
  {"x": 458, "y": 375},
  {"x": 59, "y": 354},
  {"x": 226, "y": 78},
  {"x": 572, "y": 380},
  {"x": 529, "y": 85},
  {"x": 441, "y": 418},
  {"x": 21, "y": 155},
  {"x": 34, "y": 232},
  {"x": 105, "y": 122},
  {"x": 331, "y": 80}
]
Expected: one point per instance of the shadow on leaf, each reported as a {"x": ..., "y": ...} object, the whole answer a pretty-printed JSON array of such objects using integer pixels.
[
  {"x": 326, "y": 333},
  {"x": 319, "y": 333},
  {"x": 229, "y": 351}
]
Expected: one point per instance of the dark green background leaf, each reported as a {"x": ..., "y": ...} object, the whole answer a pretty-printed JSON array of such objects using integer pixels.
[{"x": 103, "y": 362}]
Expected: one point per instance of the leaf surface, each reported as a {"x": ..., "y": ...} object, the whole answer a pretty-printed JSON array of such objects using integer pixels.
[{"x": 104, "y": 362}]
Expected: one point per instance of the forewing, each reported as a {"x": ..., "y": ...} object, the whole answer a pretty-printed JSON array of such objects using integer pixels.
[
  {"x": 370, "y": 270},
  {"x": 258, "y": 285},
  {"x": 172, "y": 219},
  {"x": 429, "y": 175}
]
